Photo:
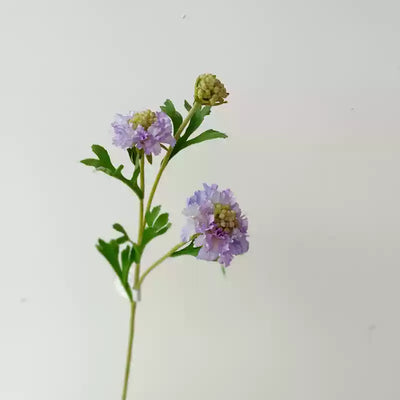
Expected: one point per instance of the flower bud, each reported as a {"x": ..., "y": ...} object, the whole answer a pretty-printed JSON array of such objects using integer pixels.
[{"x": 209, "y": 90}]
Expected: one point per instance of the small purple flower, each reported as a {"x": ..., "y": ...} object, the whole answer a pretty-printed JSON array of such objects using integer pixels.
[
  {"x": 217, "y": 219},
  {"x": 146, "y": 130}
]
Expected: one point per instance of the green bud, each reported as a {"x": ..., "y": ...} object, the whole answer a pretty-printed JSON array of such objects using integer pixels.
[
  {"x": 209, "y": 90},
  {"x": 144, "y": 118}
]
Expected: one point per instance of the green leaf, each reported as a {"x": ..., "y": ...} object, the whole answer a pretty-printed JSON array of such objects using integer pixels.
[
  {"x": 187, "y": 105},
  {"x": 149, "y": 158},
  {"x": 152, "y": 215},
  {"x": 125, "y": 262},
  {"x": 128, "y": 257},
  {"x": 132, "y": 256},
  {"x": 194, "y": 123},
  {"x": 133, "y": 155},
  {"x": 189, "y": 250},
  {"x": 125, "y": 237},
  {"x": 161, "y": 221},
  {"x": 148, "y": 235},
  {"x": 120, "y": 228},
  {"x": 156, "y": 225},
  {"x": 121, "y": 240},
  {"x": 133, "y": 180},
  {"x": 104, "y": 164},
  {"x": 175, "y": 116},
  {"x": 91, "y": 162},
  {"x": 196, "y": 120},
  {"x": 136, "y": 253},
  {"x": 163, "y": 230},
  {"x": 110, "y": 251},
  {"x": 102, "y": 153},
  {"x": 206, "y": 135},
  {"x": 154, "y": 229}
]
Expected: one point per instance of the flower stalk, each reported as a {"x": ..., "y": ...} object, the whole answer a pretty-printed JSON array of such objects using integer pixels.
[
  {"x": 159, "y": 261},
  {"x": 196, "y": 106},
  {"x": 137, "y": 275},
  {"x": 129, "y": 352},
  {"x": 141, "y": 212}
]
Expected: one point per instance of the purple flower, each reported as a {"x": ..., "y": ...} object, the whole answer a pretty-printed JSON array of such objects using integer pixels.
[
  {"x": 217, "y": 218},
  {"x": 146, "y": 130}
]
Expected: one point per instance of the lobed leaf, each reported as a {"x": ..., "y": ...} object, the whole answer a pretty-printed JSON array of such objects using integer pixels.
[
  {"x": 189, "y": 250},
  {"x": 152, "y": 215},
  {"x": 120, "y": 263},
  {"x": 210, "y": 134},
  {"x": 91, "y": 162},
  {"x": 103, "y": 156},
  {"x": 125, "y": 237},
  {"x": 133, "y": 155},
  {"x": 206, "y": 135},
  {"x": 175, "y": 116},
  {"x": 127, "y": 259},
  {"x": 120, "y": 228},
  {"x": 122, "y": 240},
  {"x": 156, "y": 225},
  {"x": 110, "y": 251},
  {"x": 164, "y": 229},
  {"x": 161, "y": 221},
  {"x": 104, "y": 164},
  {"x": 196, "y": 120}
]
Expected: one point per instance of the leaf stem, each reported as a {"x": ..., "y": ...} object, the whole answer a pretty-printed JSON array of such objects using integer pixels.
[
  {"x": 196, "y": 106},
  {"x": 159, "y": 261}
]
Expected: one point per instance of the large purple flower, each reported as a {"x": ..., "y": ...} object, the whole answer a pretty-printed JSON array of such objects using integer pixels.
[
  {"x": 217, "y": 218},
  {"x": 146, "y": 130}
]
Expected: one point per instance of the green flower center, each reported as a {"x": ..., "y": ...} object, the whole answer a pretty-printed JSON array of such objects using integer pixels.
[
  {"x": 144, "y": 118},
  {"x": 225, "y": 217}
]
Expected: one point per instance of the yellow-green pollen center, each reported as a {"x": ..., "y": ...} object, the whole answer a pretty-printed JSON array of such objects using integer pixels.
[
  {"x": 144, "y": 118},
  {"x": 225, "y": 217}
]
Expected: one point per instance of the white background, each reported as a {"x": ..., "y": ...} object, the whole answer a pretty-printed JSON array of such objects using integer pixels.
[{"x": 312, "y": 311}]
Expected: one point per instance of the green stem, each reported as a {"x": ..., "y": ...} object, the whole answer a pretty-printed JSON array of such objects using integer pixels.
[
  {"x": 141, "y": 214},
  {"x": 159, "y": 261},
  {"x": 129, "y": 354},
  {"x": 196, "y": 106},
  {"x": 137, "y": 274},
  {"x": 141, "y": 210}
]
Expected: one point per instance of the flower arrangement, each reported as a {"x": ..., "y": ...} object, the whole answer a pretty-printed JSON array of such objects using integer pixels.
[{"x": 216, "y": 229}]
